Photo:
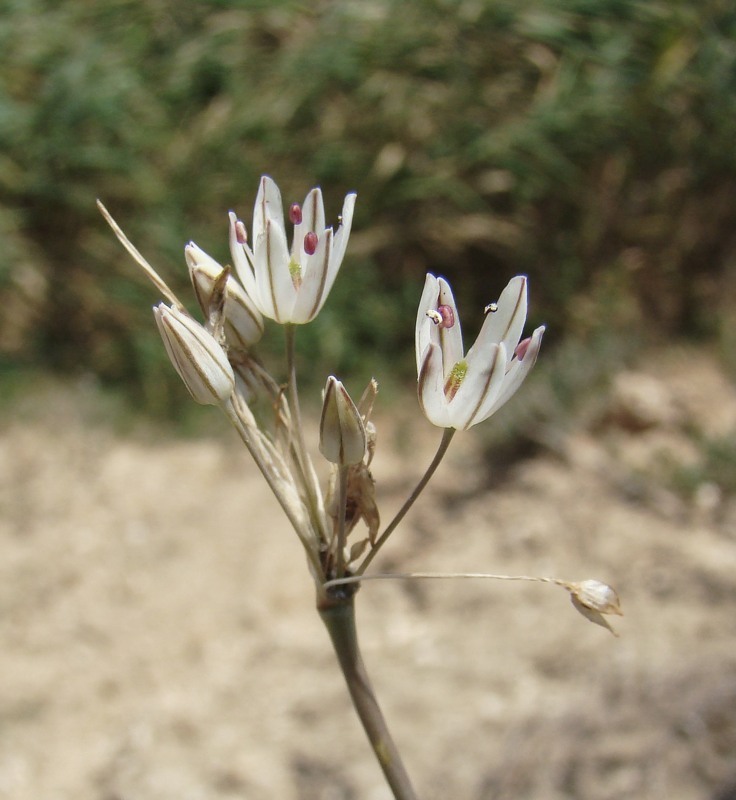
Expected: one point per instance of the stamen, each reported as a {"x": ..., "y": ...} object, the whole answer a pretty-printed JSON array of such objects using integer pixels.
[
  {"x": 241, "y": 234},
  {"x": 448, "y": 316},
  {"x": 310, "y": 243},
  {"x": 443, "y": 317},
  {"x": 522, "y": 347},
  {"x": 295, "y": 213},
  {"x": 490, "y": 308}
]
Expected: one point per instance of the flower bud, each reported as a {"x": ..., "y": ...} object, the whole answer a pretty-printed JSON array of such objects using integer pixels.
[
  {"x": 593, "y": 599},
  {"x": 597, "y": 596},
  {"x": 341, "y": 431},
  {"x": 200, "y": 361},
  {"x": 243, "y": 322}
]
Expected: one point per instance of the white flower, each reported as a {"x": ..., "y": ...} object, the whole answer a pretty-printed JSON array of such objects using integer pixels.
[
  {"x": 457, "y": 391},
  {"x": 200, "y": 361},
  {"x": 289, "y": 286}
]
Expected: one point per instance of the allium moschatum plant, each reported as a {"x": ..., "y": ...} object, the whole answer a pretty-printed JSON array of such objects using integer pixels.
[{"x": 456, "y": 391}]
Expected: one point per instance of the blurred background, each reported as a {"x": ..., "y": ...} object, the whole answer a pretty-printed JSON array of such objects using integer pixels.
[{"x": 586, "y": 143}]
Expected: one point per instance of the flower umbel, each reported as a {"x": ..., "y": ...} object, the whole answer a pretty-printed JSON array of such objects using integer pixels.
[
  {"x": 337, "y": 520},
  {"x": 459, "y": 391},
  {"x": 289, "y": 285}
]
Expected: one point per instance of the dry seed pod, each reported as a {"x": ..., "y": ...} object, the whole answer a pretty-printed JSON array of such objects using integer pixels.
[{"x": 593, "y": 599}]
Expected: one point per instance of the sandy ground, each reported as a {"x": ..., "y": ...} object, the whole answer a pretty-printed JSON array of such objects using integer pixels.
[{"x": 158, "y": 638}]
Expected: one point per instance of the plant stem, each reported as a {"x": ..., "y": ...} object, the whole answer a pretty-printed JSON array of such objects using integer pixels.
[
  {"x": 438, "y": 456},
  {"x": 337, "y": 610},
  {"x": 311, "y": 487},
  {"x": 342, "y": 482}
]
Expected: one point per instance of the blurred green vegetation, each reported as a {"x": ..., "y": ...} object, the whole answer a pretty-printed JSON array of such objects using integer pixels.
[{"x": 586, "y": 143}]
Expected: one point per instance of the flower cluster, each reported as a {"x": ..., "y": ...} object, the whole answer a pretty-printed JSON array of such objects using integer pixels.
[{"x": 289, "y": 283}]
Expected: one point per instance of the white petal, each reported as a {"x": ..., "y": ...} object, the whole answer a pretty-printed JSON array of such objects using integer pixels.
[
  {"x": 313, "y": 219},
  {"x": 430, "y": 388},
  {"x": 481, "y": 385},
  {"x": 275, "y": 288},
  {"x": 423, "y": 326},
  {"x": 518, "y": 371},
  {"x": 313, "y": 290},
  {"x": 340, "y": 242},
  {"x": 268, "y": 207},
  {"x": 243, "y": 321},
  {"x": 243, "y": 259},
  {"x": 450, "y": 339},
  {"x": 506, "y": 323}
]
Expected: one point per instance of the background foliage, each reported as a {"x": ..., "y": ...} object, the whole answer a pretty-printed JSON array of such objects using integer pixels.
[{"x": 587, "y": 143}]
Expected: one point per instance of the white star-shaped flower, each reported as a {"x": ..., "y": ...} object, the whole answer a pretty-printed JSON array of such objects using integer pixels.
[
  {"x": 456, "y": 390},
  {"x": 289, "y": 285}
]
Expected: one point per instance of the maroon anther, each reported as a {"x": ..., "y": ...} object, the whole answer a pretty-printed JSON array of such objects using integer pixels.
[
  {"x": 295, "y": 213},
  {"x": 448, "y": 316},
  {"x": 241, "y": 234},
  {"x": 522, "y": 347},
  {"x": 310, "y": 243}
]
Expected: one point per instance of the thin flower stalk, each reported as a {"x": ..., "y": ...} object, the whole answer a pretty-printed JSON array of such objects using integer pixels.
[
  {"x": 447, "y": 437},
  {"x": 304, "y": 462}
]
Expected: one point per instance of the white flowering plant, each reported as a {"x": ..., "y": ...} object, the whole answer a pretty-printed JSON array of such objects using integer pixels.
[{"x": 336, "y": 518}]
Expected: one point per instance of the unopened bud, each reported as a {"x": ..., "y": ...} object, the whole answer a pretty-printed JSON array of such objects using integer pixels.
[
  {"x": 593, "y": 599},
  {"x": 243, "y": 322},
  {"x": 200, "y": 361},
  {"x": 342, "y": 438}
]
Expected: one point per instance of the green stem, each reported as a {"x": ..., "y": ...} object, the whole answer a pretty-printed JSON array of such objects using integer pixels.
[
  {"x": 431, "y": 469},
  {"x": 255, "y": 452},
  {"x": 303, "y": 462},
  {"x": 337, "y": 611},
  {"x": 342, "y": 482}
]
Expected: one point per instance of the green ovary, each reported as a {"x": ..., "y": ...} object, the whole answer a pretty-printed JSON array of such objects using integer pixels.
[
  {"x": 295, "y": 270},
  {"x": 456, "y": 377}
]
